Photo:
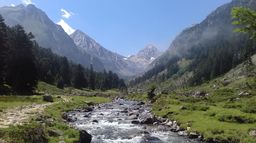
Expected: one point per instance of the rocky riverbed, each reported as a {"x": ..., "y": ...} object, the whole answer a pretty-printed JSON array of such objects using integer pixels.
[{"x": 124, "y": 121}]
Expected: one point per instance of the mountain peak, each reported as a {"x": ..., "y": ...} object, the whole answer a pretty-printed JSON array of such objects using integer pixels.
[
  {"x": 149, "y": 51},
  {"x": 146, "y": 55},
  {"x": 31, "y": 6},
  {"x": 150, "y": 46}
]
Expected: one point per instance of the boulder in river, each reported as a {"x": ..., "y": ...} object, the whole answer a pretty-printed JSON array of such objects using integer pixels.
[
  {"x": 193, "y": 135},
  {"x": 135, "y": 122},
  {"x": 68, "y": 117},
  {"x": 88, "y": 109},
  {"x": 149, "y": 120},
  {"x": 182, "y": 133},
  {"x": 95, "y": 121},
  {"x": 148, "y": 139},
  {"x": 85, "y": 137},
  {"x": 124, "y": 111},
  {"x": 141, "y": 103}
]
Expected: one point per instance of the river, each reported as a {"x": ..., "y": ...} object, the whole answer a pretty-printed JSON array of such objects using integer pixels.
[{"x": 120, "y": 122}]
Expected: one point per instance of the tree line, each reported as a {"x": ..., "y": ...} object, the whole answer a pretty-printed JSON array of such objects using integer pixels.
[{"x": 23, "y": 63}]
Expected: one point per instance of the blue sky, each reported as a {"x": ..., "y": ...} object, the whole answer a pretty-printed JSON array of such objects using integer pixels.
[{"x": 126, "y": 26}]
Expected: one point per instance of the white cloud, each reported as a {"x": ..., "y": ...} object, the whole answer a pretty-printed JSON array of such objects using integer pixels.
[
  {"x": 68, "y": 29},
  {"x": 66, "y": 14},
  {"x": 27, "y": 2},
  {"x": 12, "y": 5}
]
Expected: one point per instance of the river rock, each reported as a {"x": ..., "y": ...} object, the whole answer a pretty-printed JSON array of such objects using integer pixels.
[
  {"x": 182, "y": 133},
  {"x": 125, "y": 110},
  {"x": 145, "y": 132},
  {"x": 68, "y": 117},
  {"x": 85, "y": 137},
  {"x": 88, "y": 109},
  {"x": 149, "y": 120},
  {"x": 95, "y": 121},
  {"x": 149, "y": 139},
  {"x": 135, "y": 122},
  {"x": 169, "y": 123},
  {"x": 161, "y": 120},
  {"x": 193, "y": 135},
  {"x": 141, "y": 103},
  {"x": 132, "y": 117},
  {"x": 86, "y": 116}
]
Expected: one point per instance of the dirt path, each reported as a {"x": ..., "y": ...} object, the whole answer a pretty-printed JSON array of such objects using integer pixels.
[{"x": 20, "y": 115}]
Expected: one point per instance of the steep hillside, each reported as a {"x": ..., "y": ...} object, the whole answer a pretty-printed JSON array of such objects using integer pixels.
[
  {"x": 47, "y": 33},
  {"x": 216, "y": 25},
  {"x": 203, "y": 51}
]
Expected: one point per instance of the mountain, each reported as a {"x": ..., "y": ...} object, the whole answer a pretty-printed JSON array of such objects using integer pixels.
[
  {"x": 146, "y": 55},
  {"x": 47, "y": 33},
  {"x": 203, "y": 51},
  {"x": 111, "y": 61},
  {"x": 217, "y": 24}
]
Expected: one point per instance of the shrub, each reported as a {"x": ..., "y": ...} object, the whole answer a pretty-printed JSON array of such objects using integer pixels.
[
  {"x": 250, "y": 106},
  {"x": 31, "y": 133},
  {"x": 236, "y": 118},
  {"x": 151, "y": 93},
  {"x": 48, "y": 98},
  {"x": 194, "y": 107}
]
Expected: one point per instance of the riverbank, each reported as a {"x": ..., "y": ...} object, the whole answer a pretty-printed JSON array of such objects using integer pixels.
[
  {"x": 222, "y": 110},
  {"x": 45, "y": 124}
]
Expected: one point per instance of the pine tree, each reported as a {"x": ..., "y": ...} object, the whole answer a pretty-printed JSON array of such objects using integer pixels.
[
  {"x": 21, "y": 69},
  {"x": 92, "y": 78},
  {"x": 65, "y": 71},
  {"x": 3, "y": 50},
  {"x": 79, "y": 80}
]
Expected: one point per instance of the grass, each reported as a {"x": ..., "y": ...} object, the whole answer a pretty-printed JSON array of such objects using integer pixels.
[
  {"x": 42, "y": 126},
  {"x": 14, "y": 101},
  {"x": 44, "y": 88}
]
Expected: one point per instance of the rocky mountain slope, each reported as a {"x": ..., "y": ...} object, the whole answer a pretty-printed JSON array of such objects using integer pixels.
[
  {"x": 47, "y": 33},
  {"x": 146, "y": 55},
  {"x": 125, "y": 67}
]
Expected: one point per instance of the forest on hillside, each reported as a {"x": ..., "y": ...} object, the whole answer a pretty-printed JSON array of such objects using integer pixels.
[{"x": 23, "y": 63}]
